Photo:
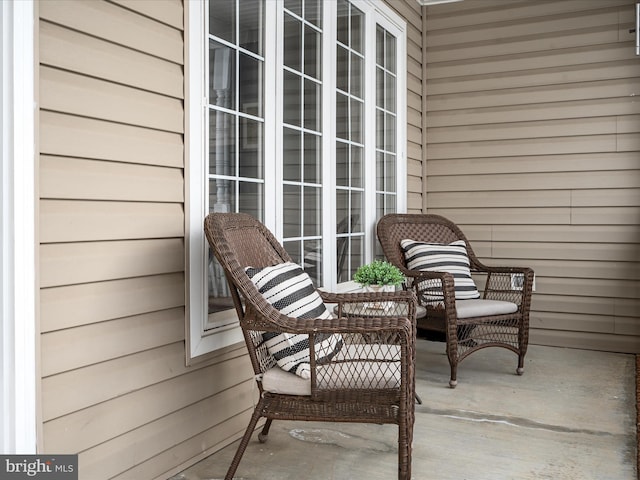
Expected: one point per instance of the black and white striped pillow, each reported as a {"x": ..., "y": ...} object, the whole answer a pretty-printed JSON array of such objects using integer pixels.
[
  {"x": 435, "y": 257},
  {"x": 289, "y": 289}
]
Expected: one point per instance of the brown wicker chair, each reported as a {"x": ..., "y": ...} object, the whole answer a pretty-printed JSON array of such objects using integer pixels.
[
  {"x": 370, "y": 380},
  {"x": 503, "y": 284}
]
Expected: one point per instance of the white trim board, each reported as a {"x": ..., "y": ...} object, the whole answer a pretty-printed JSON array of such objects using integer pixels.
[{"x": 18, "y": 280}]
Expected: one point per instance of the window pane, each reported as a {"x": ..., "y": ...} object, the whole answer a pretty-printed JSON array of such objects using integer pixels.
[
  {"x": 356, "y": 120},
  {"x": 250, "y": 199},
  {"x": 312, "y": 53},
  {"x": 357, "y": 86},
  {"x": 379, "y": 171},
  {"x": 379, "y": 205},
  {"x": 342, "y": 116},
  {"x": 344, "y": 225},
  {"x": 294, "y": 249},
  {"x": 357, "y": 211},
  {"x": 294, "y": 6},
  {"x": 219, "y": 297},
  {"x": 222, "y": 19},
  {"x": 222, "y": 61},
  {"x": 350, "y": 255},
  {"x": 342, "y": 211},
  {"x": 251, "y": 148},
  {"x": 390, "y": 93},
  {"x": 312, "y": 220},
  {"x": 342, "y": 68},
  {"x": 390, "y": 133},
  {"x": 251, "y": 25},
  {"x": 390, "y": 53},
  {"x": 380, "y": 93},
  {"x": 357, "y": 166},
  {"x": 313, "y": 11},
  {"x": 292, "y": 98},
  {"x": 379, "y": 129},
  {"x": 292, "y": 221},
  {"x": 380, "y": 46},
  {"x": 222, "y": 196},
  {"x": 343, "y": 22},
  {"x": 312, "y": 158},
  {"x": 250, "y": 85},
  {"x": 291, "y": 155},
  {"x": 390, "y": 172},
  {"x": 390, "y": 203},
  {"x": 342, "y": 164},
  {"x": 357, "y": 30},
  {"x": 312, "y": 262},
  {"x": 292, "y": 43},
  {"x": 312, "y": 105},
  {"x": 342, "y": 259},
  {"x": 222, "y": 145},
  {"x": 357, "y": 255}
]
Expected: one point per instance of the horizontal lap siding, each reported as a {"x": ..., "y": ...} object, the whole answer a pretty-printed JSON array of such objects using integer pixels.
[
  {"x": 533, "y": 147},
  {"x": 115, "y": 388}
]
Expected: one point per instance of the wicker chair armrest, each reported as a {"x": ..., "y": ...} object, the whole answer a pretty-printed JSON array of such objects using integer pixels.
[
  {"x": 331, "y": 297},
  {"x": 482, "y": 268},
  {"x": 389, "y": 321},
  {"x": 513, "y": 284},
  {"x": 419, "y": 276},
  {"x": 416, "y": 282},
  {"x": 351, "y": 324}
]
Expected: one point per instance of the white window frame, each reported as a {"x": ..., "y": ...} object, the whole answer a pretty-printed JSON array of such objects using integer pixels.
[
  {"x": 18, "y": 292},
  {"x": 376, "y": 12},
  {"x": 200, "y": 340}
]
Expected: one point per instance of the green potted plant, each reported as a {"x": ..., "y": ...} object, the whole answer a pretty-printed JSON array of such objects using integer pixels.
[
  {"x": 378, "y": 276},
  {"x": 378, "y": 272}
]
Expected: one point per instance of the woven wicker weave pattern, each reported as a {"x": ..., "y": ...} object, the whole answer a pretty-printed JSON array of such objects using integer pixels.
[
  {"x": 371, "y": 380},
  {"x": 464, "y": 336}
]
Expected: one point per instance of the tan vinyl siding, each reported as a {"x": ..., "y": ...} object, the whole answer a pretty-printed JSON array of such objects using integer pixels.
[
  {"x": 114, "y": 385},
  {"x": 533, "y": 147}
]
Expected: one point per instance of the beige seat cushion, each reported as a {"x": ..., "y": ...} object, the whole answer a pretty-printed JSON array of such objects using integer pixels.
[
  {"x": 484, "y": 308},
  {"x": 346, "y": 374},
  {"x": 276, "y": 380}
]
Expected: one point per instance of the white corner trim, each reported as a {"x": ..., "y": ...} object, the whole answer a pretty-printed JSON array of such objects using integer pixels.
[{"x": 18, "y": 433}]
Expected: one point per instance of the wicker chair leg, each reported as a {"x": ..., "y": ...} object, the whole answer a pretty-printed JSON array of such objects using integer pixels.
[
  {"x": 520, "y": 369},
  {"x": 245, "y": 441},
  {"x": 453, "y": 382},
  {"x": 452, "y": 355},
  {"x": 404, "y": 450},
  {"x": 262, "y": 436},
  {"x": 523, "y": 343}
]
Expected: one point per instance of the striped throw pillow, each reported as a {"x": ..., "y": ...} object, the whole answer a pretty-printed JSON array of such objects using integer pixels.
[
  {"x": 435, "y": 257},
  {"x": 289, "y": 289}
]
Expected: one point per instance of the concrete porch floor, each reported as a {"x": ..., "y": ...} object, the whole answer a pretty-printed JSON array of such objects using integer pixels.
[{"x": 572, "y": 415}]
